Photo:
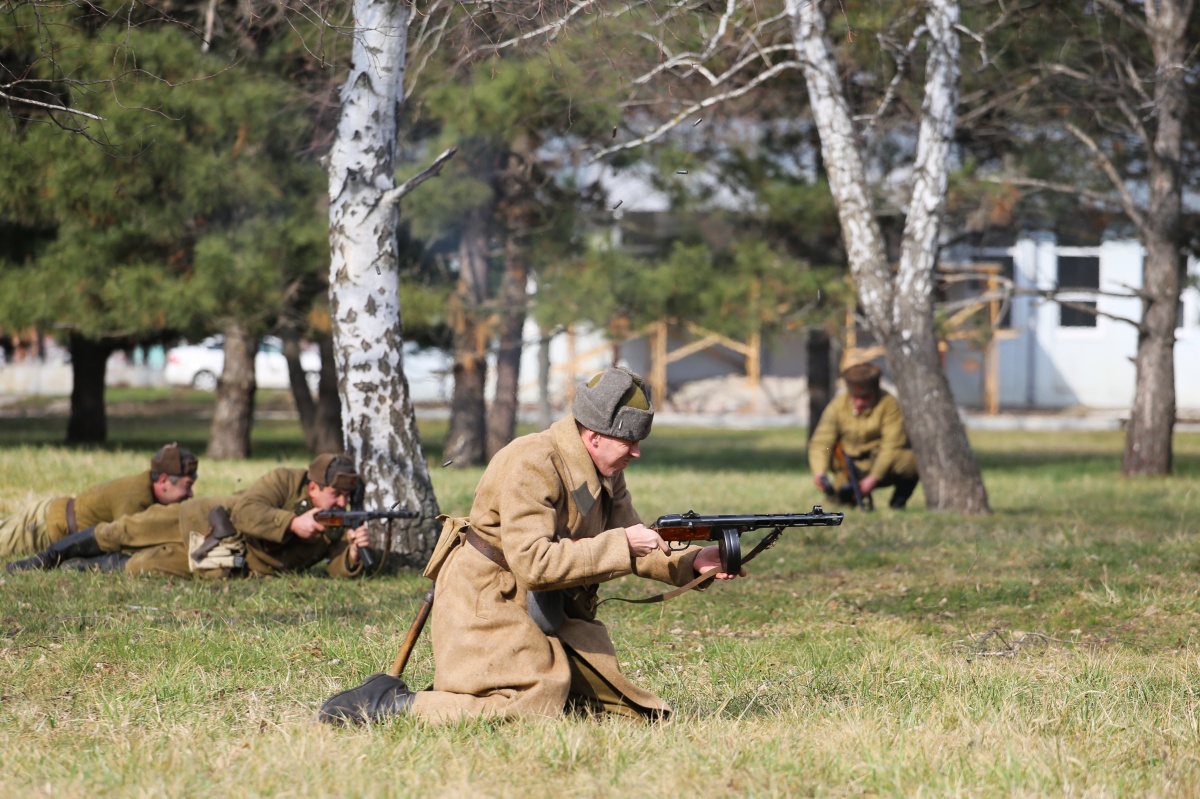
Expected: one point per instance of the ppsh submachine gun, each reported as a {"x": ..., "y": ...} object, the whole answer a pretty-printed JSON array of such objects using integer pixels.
[
  {"x": 727, "y": 530},
  {"x": 337, "y": 521}
]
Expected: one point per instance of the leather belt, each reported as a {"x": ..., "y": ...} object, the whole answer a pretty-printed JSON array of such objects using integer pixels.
[
  {"x": 494, "y": 554},
  {"x": 72, "y": 523}
]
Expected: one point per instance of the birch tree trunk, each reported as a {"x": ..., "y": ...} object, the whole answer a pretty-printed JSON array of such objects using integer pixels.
[
  {"x": 379, "y": 424},
  {"x": 899, "y": 307},
  {"x": 233, "y": 413},
  {"x": 1148, "y": 445}
]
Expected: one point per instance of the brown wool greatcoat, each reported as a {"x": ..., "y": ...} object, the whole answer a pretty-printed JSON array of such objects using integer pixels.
[
  {"x": 560, "y": 525},
  {"x": 875, "y": 440},
  {"x": 262, "y": 514}
]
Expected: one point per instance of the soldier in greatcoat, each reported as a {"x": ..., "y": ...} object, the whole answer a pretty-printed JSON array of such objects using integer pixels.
[
  {"x": 266, "y": 530},
  {"x": 33, "y": 528},
  {"x": 514, "y": 625},
  {"x": 867, "y": 421}
]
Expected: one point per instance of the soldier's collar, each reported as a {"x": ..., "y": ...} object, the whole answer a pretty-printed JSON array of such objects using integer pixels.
[{"x": 585, "y": 482}]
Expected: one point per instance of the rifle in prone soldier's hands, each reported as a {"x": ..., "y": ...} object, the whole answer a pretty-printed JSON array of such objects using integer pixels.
[{"x": 337, "y": 521}]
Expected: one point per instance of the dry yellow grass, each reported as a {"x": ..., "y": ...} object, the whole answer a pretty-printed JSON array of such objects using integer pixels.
[{"x": 1048, "y": 650}]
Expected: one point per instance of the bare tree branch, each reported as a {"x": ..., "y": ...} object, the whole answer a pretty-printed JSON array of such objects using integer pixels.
[
  {"x": 1055, "y": 295},
  {"x": 666, "y": 127},
  {"x": 434, "y": 169},
  {"x": 1120, "y": 12},
  {"x": 1048, "y": 185},
  {"x": 902, "y": 63},
  {"x": 996, "y": 101},
  {"x": 1127, "y": 201},
  {"x": 51, "y": 106},
  {"x": 1136, "y": 124}
]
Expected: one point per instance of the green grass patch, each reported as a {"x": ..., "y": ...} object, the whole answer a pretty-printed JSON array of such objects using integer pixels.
[{"x": 1046, "y": 650}]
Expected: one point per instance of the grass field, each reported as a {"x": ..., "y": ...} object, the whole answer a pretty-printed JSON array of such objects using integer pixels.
[{"x": 1047, "y": 650}]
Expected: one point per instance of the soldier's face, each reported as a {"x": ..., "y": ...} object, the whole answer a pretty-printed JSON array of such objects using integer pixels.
[
  {"x": 167, "y": 492},
  {"x": 611, "y": 455},
  {"x": 861, "y": 405},
  {"x": 327, "y": 497}
]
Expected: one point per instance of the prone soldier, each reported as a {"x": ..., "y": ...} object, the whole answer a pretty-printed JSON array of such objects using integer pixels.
[
  {"x": 266, "y": 530},
  {"x": 170, "y": 479}
]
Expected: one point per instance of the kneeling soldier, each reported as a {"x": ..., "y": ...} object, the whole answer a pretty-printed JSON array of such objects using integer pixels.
[{"x": 514, "y": 622}]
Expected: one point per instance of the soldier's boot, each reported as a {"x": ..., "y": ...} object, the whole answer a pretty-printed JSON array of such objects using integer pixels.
[
  {"x": 905, "y": 486},
  {"x": 77, "y": 545},
  {"x": 108, "y": 562},
  {"x": 380, "y": 695}
]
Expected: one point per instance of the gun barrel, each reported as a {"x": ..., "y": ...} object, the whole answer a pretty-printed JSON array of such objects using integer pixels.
[
  {"x": 692, "y": 526},
  {"x": 357, "y": 518}
]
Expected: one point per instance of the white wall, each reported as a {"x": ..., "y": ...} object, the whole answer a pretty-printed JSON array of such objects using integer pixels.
[{"x": 1048, "y": 366}]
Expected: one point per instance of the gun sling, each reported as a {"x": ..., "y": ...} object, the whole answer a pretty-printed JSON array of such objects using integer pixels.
[{"x": 768, "y": 541}]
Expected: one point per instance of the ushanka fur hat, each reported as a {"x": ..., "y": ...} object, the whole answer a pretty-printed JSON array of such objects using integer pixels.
[
  {"x": 862, "y": 379},
  {"x": 616, "y": 403},
  {"x": 175, "y": 461},
  {"x": 334, "y": 470}
]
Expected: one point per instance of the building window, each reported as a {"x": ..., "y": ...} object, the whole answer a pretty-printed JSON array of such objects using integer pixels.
[
  {"x": 1078, "y": 272},
  {"x": 1070, "y": 316},
  {"x": 1079, "y": 275}
]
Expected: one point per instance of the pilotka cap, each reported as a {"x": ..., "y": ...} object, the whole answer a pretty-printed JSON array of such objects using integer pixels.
[
  {"x": 175, "y": 461},
  {"x": 862, "y": 379},
  {"x": 334, "y": 470},
  {"x": 616, "y": 403}
]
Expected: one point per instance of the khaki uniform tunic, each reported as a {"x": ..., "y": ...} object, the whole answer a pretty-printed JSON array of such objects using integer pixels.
[
  {"x": 40, "y": 524},
  {"x": 875, "y": 441},
  {"x": 262, "y": 514},
  {"x": 560, "y": 525},
  {"x": 156, "y": 539}
]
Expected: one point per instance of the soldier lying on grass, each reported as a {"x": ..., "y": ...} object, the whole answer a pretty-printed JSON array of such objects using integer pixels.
[
  {"x": 268, "y": 529},
  {"x": 170, "y": 479}
]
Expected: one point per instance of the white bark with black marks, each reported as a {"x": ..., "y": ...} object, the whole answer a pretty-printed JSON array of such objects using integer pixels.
[
  {"x": 899, "y": 307},
  {"x": 377, "y": 413}
]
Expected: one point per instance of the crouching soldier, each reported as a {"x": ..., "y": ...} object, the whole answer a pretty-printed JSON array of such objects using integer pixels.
[
  {"x": 266, "y": 530},
  {"x": 863, "y": 429},
  {"x": 514, "y": 622}
]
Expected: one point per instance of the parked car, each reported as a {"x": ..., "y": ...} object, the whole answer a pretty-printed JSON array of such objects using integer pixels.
[{"x": 200, "y": 365}]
